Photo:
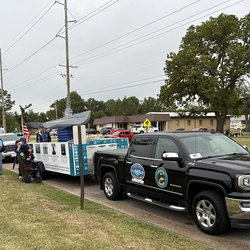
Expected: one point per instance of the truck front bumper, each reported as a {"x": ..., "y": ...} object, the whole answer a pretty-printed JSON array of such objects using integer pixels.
[{"x": 239, "y": 212}]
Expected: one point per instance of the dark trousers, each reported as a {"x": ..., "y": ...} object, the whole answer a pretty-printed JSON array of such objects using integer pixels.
[{"x": 25, "y": 169}]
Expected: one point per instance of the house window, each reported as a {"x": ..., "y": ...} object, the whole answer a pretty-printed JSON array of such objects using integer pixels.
[
  {"x": 177, "y": 123},
  {"x": 211, "y": 122},
  {"x": 200, "y": 122},
  {"x": 189, "y": 122}
]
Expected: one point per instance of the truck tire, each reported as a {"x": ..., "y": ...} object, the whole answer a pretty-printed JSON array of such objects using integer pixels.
[
  {"x": 110, "y": 186},
  {"x": 210, "y": 213}
]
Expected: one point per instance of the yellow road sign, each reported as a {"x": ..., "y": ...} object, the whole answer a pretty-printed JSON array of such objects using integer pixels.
[{"x": 147, "y": 123}]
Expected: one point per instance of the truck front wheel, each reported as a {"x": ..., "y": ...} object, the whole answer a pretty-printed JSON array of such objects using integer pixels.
[
  {"x": 110, "y": 186},
  {"x": 210, "y": 214}
]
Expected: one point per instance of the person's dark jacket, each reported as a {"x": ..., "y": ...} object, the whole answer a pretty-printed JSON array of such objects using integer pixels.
[
  {"x": 26, "y": 152},
  {"x": 43, "y": 137}
]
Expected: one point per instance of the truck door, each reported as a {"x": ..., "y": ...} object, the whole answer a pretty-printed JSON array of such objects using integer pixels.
[
  {"x": 147, "y": 172},
  {"x": 137, "y": 162},
  {"x": 167, "y": 176}
]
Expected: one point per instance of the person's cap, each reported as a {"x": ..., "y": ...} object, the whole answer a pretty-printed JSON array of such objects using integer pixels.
[
  {"x": 22, "y": 139},
  {"x": 41, "y": 126}
]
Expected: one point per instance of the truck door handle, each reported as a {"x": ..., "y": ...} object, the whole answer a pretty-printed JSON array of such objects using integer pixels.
[
  {"x": 129, "y": 162},
  {"x": 153, "y": 166}
]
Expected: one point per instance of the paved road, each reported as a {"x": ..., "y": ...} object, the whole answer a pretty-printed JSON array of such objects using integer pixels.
[{"x": 175, "y": 222}]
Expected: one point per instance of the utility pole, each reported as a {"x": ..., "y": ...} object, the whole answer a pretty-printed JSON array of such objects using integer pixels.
[
  {"x": 67, "y": 53},
  {"x": 56, "y": 108},
  {"x": 2, "y": 93},
  {"x": 68, "y": 103}
]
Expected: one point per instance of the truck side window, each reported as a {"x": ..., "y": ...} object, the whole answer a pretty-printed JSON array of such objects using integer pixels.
[
  {"x": 142, "y": 147},
  {"x": 165, "y": 145}
]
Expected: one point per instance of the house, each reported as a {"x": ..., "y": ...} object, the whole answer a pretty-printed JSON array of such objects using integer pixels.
[
  {"x": 165, "y": 121},
  {"x": 237, "y": 121},
  {"x": 33, "y": 126},
  {"x": 157, "y": 120}
]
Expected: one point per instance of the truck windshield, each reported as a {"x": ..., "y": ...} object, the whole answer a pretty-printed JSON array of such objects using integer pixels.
[
  {"x": 9, "y": 137},
  {"x": 206, "y": 145}
]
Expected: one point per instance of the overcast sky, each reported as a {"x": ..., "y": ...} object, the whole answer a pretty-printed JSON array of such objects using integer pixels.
[{"x": 119, "y": 47}]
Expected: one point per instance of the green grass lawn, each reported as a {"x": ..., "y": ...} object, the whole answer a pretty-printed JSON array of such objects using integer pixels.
[
  {"x": 243, "y": 141},
  {"x": 37, "y": 216}
]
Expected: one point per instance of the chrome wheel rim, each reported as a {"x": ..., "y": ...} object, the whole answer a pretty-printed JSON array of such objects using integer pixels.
[
  {"x": 206, "y": 213},
  {"x": 109, "y": 187}
]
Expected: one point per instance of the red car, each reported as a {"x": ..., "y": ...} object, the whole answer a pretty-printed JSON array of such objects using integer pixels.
[
  {"x": 200, "y": 129},
  {"x": 121, "y": 134},
  {"x": 116, "y": 129}
]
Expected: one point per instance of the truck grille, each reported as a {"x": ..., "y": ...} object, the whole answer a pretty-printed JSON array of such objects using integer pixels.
[{"x": 9, "y": 148}]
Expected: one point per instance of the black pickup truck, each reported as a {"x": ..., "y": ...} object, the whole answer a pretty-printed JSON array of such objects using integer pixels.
[{"x": 205, "y": 174}]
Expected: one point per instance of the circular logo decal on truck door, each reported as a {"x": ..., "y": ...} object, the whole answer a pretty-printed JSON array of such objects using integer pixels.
[
  {"x": 161, "y": 177},
  {"x": 138, "y": 173}
]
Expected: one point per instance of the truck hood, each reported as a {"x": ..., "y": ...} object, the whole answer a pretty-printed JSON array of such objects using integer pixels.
[{"x": 238, "y": 163}]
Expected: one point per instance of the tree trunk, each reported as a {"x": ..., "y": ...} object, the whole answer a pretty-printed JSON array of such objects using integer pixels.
[
  {"x": 220, "y": 118},
  {"x": 247, "y": 119}
]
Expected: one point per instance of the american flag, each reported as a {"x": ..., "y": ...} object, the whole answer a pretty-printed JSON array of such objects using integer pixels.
[{"x": 26, "y": 133}]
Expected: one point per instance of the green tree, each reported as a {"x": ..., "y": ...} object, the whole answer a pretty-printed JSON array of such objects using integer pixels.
[
  {"x": 31, "y": 116},
  {"x": 77, "y": 105},
  {"x": 245, "y": 106},
  {"x": 129, "y": 106},
  {"x": 42, "y": 117},
  {"x": 113, "y": 107},
  {"x": 8, "y": 104},
  {"x": 150, "y": 104},
  {"x": 12, "y": 124},
  {"x": 97, "y": 109},
  {"x": 210, "y": 67}
]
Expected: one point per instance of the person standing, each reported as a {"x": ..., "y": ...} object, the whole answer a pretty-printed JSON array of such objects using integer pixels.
[
  {"x": 227, "y": 132},
  {"x": 2, "y": 130},
  {"x": 16, "y": 150},
  {"x": 1, "y": 157},
  {"x": 25, "y": 158},
  {"x": 43, "y": 135}
]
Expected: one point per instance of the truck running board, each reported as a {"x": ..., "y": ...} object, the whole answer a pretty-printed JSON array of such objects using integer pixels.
[{"x": 158, "y": 203}]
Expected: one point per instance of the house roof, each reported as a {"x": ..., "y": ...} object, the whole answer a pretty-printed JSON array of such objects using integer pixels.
[
  {"x": 132, "y": 119},
  {"x": 34, "y": 125},
  {"x": 177, "y": 114}
]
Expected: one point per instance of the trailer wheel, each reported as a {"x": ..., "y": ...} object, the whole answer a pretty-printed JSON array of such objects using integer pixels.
[
  {"x": 110, "y": 186},
  {"x": 41, "y": 166},
  {"x": 210, "y": 214}
]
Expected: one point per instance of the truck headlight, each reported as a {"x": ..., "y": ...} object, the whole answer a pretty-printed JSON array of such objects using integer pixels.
[{"x": 243, "y": 182}]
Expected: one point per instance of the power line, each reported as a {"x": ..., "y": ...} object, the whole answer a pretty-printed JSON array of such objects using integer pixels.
[
  {"x": 133, "y": 31},
  {"x": 97, "y": 11},
  {"x": 116, "y": 49},
  {"x": 21, "y": 83},
  {"x": 114, "y": 87},
  {"x": 93, "y": 13},
  {"x": 24, "y": 60},
  {"x": 21, "y": 62},
  {"x": 107, "y": 90},
  {"x": 167, "y": 30},
  {"x": 28, "y": 28}
]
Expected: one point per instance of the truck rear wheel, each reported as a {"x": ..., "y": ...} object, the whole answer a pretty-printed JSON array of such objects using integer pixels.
[
  {"x": 210, "y": 214},
  {"x": 110, "y": 186}
]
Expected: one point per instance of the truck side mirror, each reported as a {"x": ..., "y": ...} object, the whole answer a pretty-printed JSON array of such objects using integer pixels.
[
  {"x": 172, "y": 157},
  {"x": 245, "y": 147}
]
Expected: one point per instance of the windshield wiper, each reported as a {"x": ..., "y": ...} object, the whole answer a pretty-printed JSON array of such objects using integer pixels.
[
  {"x": 207, "y": 157},
  {"x": 237, "y": 154}
]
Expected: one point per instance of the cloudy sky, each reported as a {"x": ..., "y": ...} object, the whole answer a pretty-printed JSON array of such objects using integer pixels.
[{"x": 117, "y": 47}]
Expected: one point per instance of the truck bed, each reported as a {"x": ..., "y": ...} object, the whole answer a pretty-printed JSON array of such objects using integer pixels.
[{"x": 117, "y": 153}]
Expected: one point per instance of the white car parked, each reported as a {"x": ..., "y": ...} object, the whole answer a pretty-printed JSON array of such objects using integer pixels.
[
  {"x": 9, "y": 141},
  {"x": 137, "y": 129}
]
